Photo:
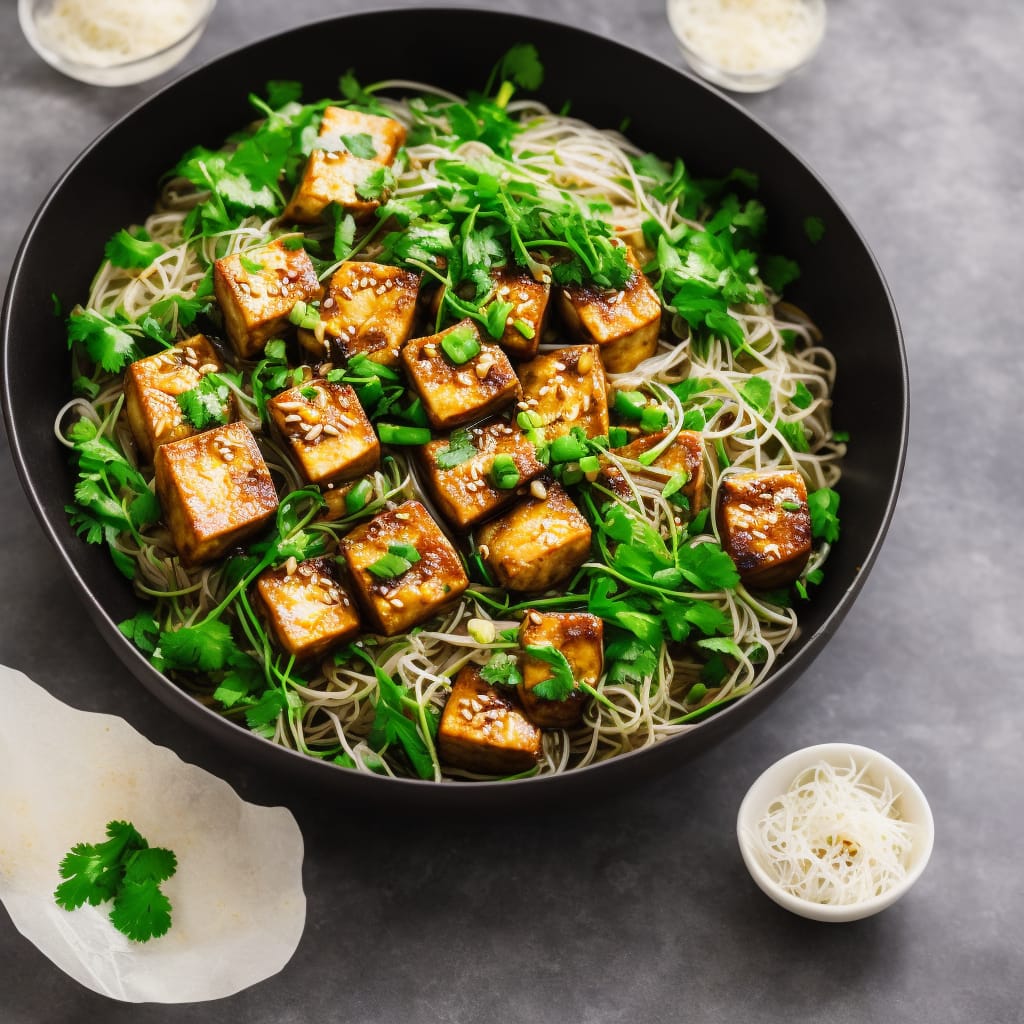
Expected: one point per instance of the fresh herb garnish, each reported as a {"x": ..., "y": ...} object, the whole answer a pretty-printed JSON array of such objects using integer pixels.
[
  {"x": 207, "y": 403},
  {"x": 460, "y": 449},
  {"x": 132, "y": 250},
  {"x": 126, "y": 870}
]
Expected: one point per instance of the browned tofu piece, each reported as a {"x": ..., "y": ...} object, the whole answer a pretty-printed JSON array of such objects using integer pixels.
[
  {"x": 152, "y": 386},
  {"x": 215, "y": 491},
  {"x": 387, "y": 135},
  {"x": 580, "y": 637},
  {"x": 538, "y": 543},
  {"x": 464, "y": 493},
  {"x": 624, "y": 323},
  {"x": 765, "y": 525},
  {"x": 369, "y": 309},
  {"x": 332, "y": 176},
  {"x": 326, "y": 431},
  {"x": 684, "y": 455},
  {"x": 457, "y": 393},
  {"x": 308, "y": 609},
  {"x": 257, "y": 290},
  {"x": 529, "y": 300},
  {"x": 397, "y": 603},
  {"x": 483, "y": 730},
  {"x": 567, "y": 388}
]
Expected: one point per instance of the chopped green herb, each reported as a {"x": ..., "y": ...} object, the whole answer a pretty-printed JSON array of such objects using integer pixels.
[
  {"x": 126, "y": 870},
  {"x": 252, "y": 266},
  {"x": 460, "y": 449},
  {"x": 504, "y": 473},
  {"x": 824, "y": 508},
  {"x": 814, "y": 228},
  {"x": 207, "y": 403},
  {"x": 132, "y": 250},
  {"x": 501, "y": 670},
  {"x": 561, "y": 682}
]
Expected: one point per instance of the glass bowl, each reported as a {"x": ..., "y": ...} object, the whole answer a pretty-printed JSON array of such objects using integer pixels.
[
  {"x": 910, "y": 803},
  {"x": 747, "y": 45},
  {"x": 123, "y": 60}
]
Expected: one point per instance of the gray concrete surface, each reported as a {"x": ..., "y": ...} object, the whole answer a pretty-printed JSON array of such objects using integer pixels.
[{"x": 638, "y": 909}]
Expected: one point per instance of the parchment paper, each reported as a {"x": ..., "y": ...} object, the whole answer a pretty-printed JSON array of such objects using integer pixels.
[{"x": 238, "y": 905}]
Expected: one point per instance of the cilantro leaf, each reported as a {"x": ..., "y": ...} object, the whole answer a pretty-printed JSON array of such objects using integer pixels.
[
  {"x": 207, "y": 403},
  {"x": 376, "y": 184},
  {"x": 361, "y": 145},
  {"x": 460, "y": 449},
  {"x": 501, "y": 670},
  {"x": 105, "y": 340},
  {"x": 125, "y": 869},
  {"x": 522, "y": 65},
  {"x": 823, "y": 505},
  {"x": 141, "y": 911},
  {"x": 561, "y": 682},
  {"x": 204, "y": 647},
  {"x": 132, "y": 250}
]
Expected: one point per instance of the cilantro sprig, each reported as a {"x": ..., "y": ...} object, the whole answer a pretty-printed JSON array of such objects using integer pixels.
[{"x": 124, "y": 869}]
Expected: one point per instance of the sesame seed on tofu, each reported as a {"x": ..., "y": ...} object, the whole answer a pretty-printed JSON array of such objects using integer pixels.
[
  {"x": 454, "y": 393},
  {"x": 215, "y": 491},
  {"x": 484, "y": 730},
  {"x": 464, "y": 493},
  {"x": 326, "y": 431},
  {"x": 394, "y": 604},
  {"x": 257, "y": 290},
  {"x": 567, "y": 388},
  {"x": 369, "y": 309},
  {"x": 308, "y": 608},
  {"x": 152, "y": 386},
  {"x": 624, "y": 322},
  {"x": 765, "y": 525},
  {"x": 538, "y": 543}
]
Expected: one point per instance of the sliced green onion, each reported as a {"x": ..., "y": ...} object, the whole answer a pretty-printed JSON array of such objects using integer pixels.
[
  {"x": 395, "y": 433},
  {"x": 525, "y": 329},
  {"x": 528, "y": 420},
  {"x": 304, "y": 315},
  {"x": 504, "y": 473},
  {"x": 618, "y": 437},
  {"x": 590, "y": 464},
  {"x": 630, "y": 404},
  {"x": 460, "y": 344},
  {"x": 406, "y": 551},
  {"x": 357, "y": 498},
  {"x": 653, "y": 418},
  {"x": 388, "y": 566},
  {"x": 567, "y": 449}
]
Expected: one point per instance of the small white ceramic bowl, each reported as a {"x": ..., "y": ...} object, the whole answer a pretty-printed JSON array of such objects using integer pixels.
[
  {"x": 776, "y": 780},
  {"x": 32, "y": 14}
]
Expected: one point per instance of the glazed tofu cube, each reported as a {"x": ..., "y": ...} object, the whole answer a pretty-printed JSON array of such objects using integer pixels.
[
  {"x": 394, "y": 604},
  {"x": 765, "y": 525},
  {"x": 580, "y": 637},
  {"x": 624, "y": 323},
  {"x": 684, "y": 455},
  {"x": 529, "y": 300},
  {"x": 308, "y": 609},
  {"x": 152, "y": 386},
  {"x": 215, "y": 491},
  {"x": 538, "y": 543},
  {"x": 386, "y": 134},
  {"x": 258, "y": 289},
  {"x": 334, "y": 176},
  {"x": 369, "y": 309},
  {"x": 567, "y": 388},
  {"x": 464, "y": 492},
  {"x": 326, "y": 431},
  {"x": 527, "y": 321},
  {"x": 483, "y": 730},
  {"x": 454, "y": 393}
]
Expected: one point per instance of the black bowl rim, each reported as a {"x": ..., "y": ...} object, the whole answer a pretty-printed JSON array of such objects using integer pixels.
[{"x": 451, "y": 791}]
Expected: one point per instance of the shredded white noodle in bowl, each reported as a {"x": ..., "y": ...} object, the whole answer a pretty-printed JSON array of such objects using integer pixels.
[
  {"x": 835, "y": 832},
  {"x": 637, "y": 728}
]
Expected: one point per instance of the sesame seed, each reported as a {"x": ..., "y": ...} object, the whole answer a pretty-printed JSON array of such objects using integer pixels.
[
  {"x": 559, "y": 366},
  {"x": 485, "y": 551},
  {"x": 476, "y": 705},
  {"x": 467, "y": 715},
  {"x": 396, "y": 602},
  {"x": 290, "y": 406},
  {"x": 291, "y": 565},
  {"x": 430, "y": 351},
  {"x": 346, "y": 420},
  {"x": 331, "y": 430},
  {"x": 208, "y": 368},
  {"x": 535, "y": 618},
  {"x": 585, "y": 363},
  {"x": 402, "y": 515},
  {"x": 522, "y": 405},
  {"x": 347, "y": 292},
  {"x": 293, "y": 417},
  {"x": 543, "y": 391},
  {"x": 586, "y": 403},
  {"x": 314, "y": 431},
  {"x": 523, "y": 296},
  {"x": 482, "y": 369},
  {"x": 538, "y": 490}
]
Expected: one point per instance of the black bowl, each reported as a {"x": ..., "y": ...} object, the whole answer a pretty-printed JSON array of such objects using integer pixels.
[{"x": 113, "y": 183}]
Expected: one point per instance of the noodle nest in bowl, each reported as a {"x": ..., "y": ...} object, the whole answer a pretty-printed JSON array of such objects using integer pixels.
[{"x": 736, "y": 366}]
